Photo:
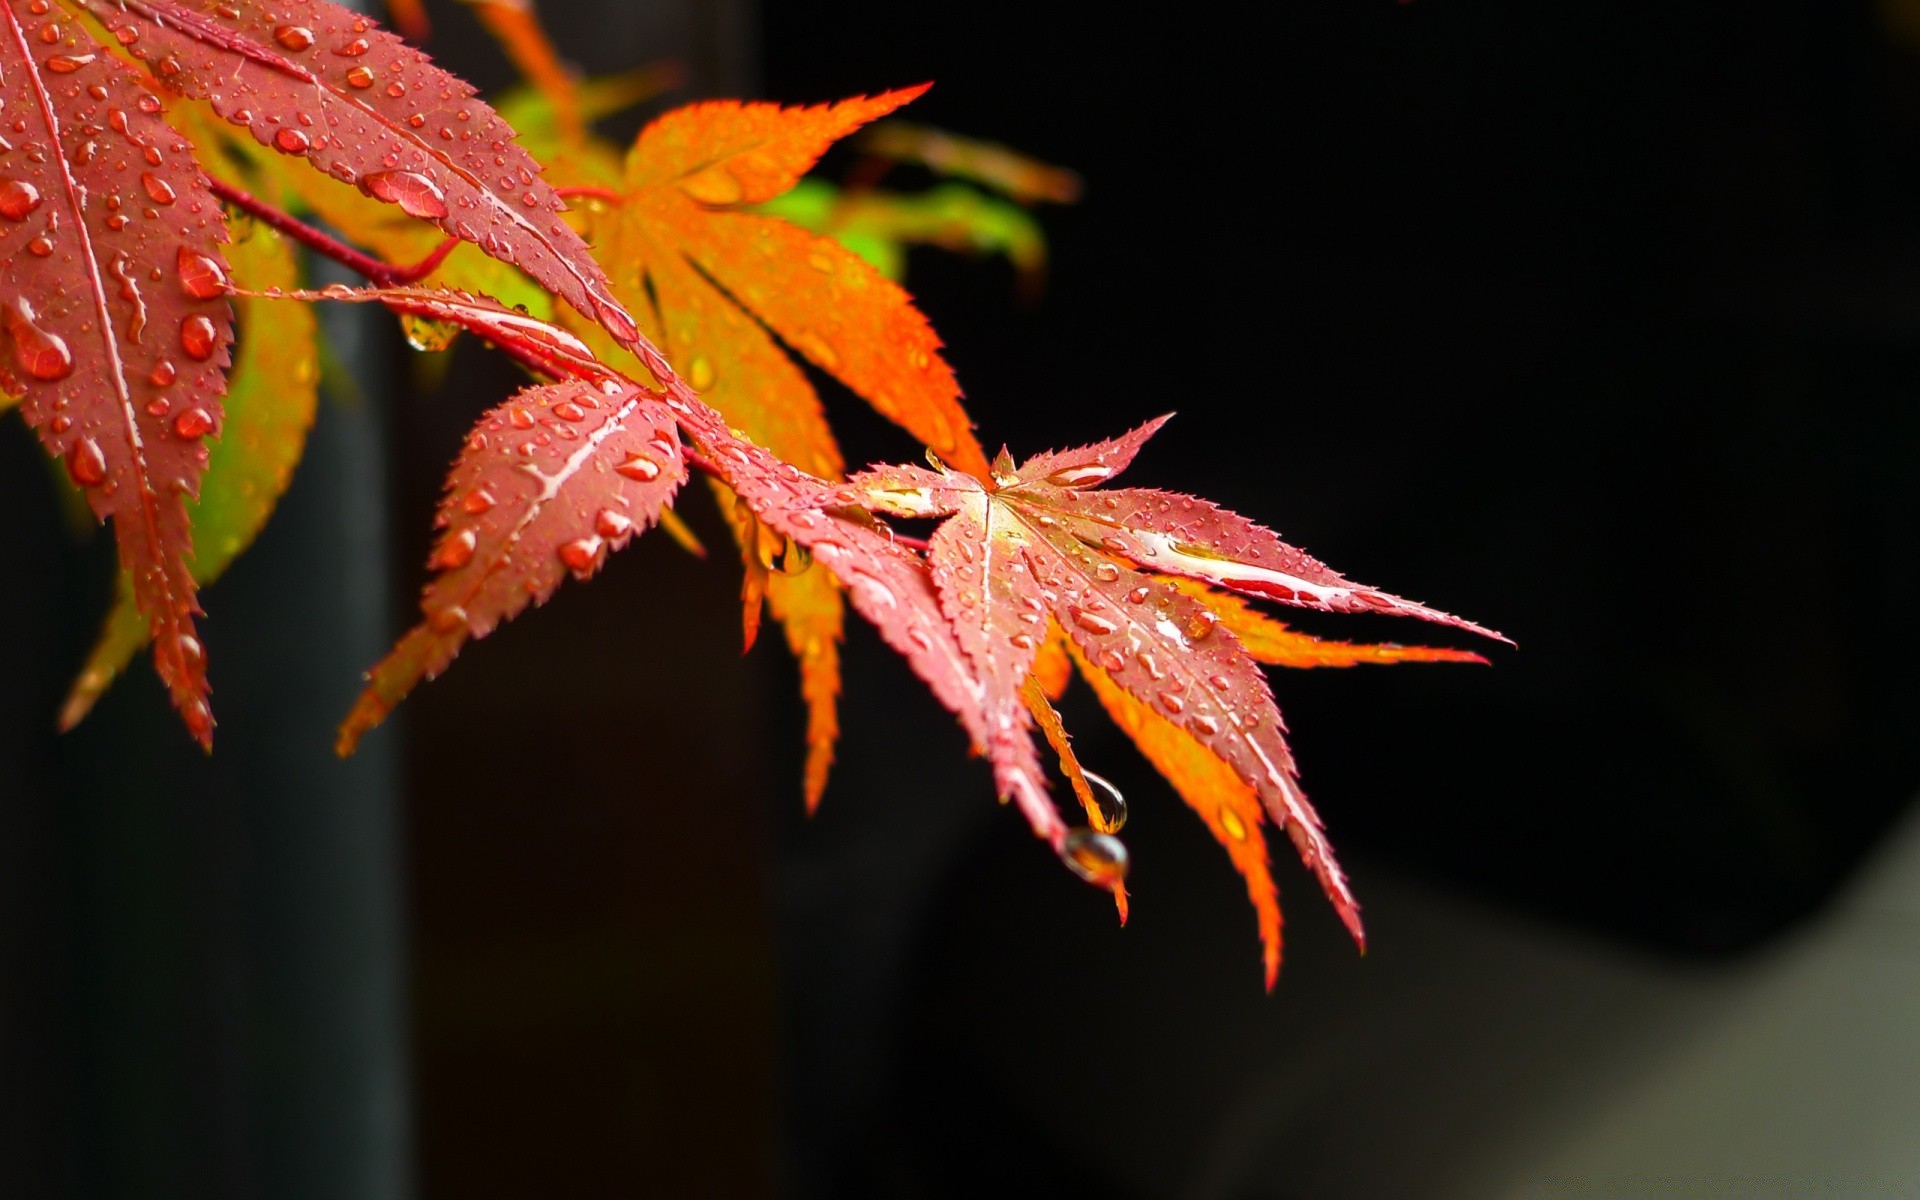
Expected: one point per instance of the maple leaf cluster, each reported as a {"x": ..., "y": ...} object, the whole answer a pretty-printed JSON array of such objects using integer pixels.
[{"x": 158, "y": 156}]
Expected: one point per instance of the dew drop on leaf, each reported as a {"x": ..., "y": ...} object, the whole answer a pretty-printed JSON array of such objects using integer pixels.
[
  {"x": 294, "y": 37},
  {"x": 193, "y": 423},
  {"x": 639, "y": 468},
  {"x": 414, "y": 193},
  {"x": 581, "y": 553},
  {"x": 197, "y": 337},
  {"x": 200, "y": 275},
  {"x": 41, "y": 354},
  {"x": 86, "y": 465},
  {"x": 18, "y": 198}
]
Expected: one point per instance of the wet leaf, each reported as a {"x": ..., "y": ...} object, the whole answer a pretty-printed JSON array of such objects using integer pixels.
[
  {"x": 549, "y": 484},
  {"x": 121, "y": 375},
  {"x": 321, "y": 83},
  {"x": 271, "y": 395}
]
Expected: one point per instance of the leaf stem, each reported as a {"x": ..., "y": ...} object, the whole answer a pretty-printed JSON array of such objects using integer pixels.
[{"x": 384, "y": 274}]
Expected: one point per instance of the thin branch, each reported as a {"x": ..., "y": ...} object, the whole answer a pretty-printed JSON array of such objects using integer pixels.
[{"x": 384, "y": 274}]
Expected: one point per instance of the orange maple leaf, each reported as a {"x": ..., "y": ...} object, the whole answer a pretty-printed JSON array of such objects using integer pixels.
[{"x": 720, "y": 290}]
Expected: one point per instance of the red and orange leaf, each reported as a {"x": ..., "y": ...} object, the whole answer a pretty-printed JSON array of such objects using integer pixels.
[
  {"x": 316, "y": 81},
  {"x": 117, "y": 322},
  {"x": 725, "y": 152},
  {"x": 549, "y": 484},
  {"x": 1052, "y": 668},
  {"x": 1274, "y": 643},
  {"x": 809, "y": 608},
  {"x": 271, "y": 396},
  {"x": 722, "y": 281},
  {"x": 1210, "y": 787},
  {"x": 887, "y": 583},
  {"x": 1048, "y": 722}
]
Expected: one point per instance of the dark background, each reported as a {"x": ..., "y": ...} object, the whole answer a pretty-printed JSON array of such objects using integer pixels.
[{"x": 1595, "y": 324}]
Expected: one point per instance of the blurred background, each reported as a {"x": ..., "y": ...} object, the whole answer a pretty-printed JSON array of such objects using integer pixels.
[{"x": 1598, "y": 325}]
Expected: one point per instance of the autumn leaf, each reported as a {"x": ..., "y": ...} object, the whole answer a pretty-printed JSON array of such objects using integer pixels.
[
  {"x": 1045, "y": 542},
  {"x": 118, "y": 324},
  {"x": 321, "y": 83},
  {"x": 271, "y": 395},
  {"x": 879, "y": 226},
  {"x": 548, "y": 485}
]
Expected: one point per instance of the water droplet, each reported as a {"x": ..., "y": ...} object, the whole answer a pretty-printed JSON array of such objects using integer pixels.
[
  {"x": 66, "y": 64},
  {"x": 451, "y": 619},
  {"x": 1112, "y": 816},
  {"x": 294, "y": 37},
  {"x": 292, "y": 141},
  {"x": 163, "y": 374},
  {"x": 872, "y": 589},
  {"x": 1092, "y": 622},
  {"x": 50, "y": 33},
  {"x": 40, "y": 246},
  {"x": 193, "y": 423},
  {"x": 200, "y": 274},
  {"x": 567, "y": 410},
  {"x": 1149, "y": 665},
  {"x": 520, "y": 418},
  {"x": 127, "y": 35},
  {"x": 360, "y": 76},
  {"x": 158, "y": 406},
  {"x": 1106, "y": 572},
  {"x": 478, "y": 500},
  {"x": 1172, "y": 703},
  {"x": 17, "y": 199},
  {"x": 1230, "y": 822},
  {"x": 1202, "y": 624},
  {"x": 455, "y": 551},
  {"x": 581, "y": 553},
  {"x": 61, "y": 424},
  {"x": 1204, "y": 725},
  {"x": 426, "y": 334},
  {"x": 198, "y": 337},
  {"x": 1112, "y": 660},
  {"x": 1220, "y": 682},
  {"x": 86, "y": 466},
  {"x": 41, "y": 354},
  {"x": 700, "y": 373},
  {"x": 148, "y": 103},
  {"x": 1139, "y": 595},
  {"x": 1099, "y": 858},
  {"x": 611, "y": 523},
  {"x": 1081, "y": 476},
  {"x": 354, "y": 48},
  {"x": 639, "y": 467},
  {"x": 158, "y": 188},
  {"x": 416, "y": 195}
]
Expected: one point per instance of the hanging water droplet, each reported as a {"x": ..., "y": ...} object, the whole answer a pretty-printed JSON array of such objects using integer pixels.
[
  {"x": 40, "y": 354},
  {"x": 200, "y": 274},
  {"x": 426, "y": 334},
  {"x": 198, "y": 337},
  {"x": 86, "y": 465},
  {"x": 1099, "y": 858},
  {"x": 581, "y": 553},
  {"x": 414, "y": 193},
  {"x": 18, "y": 198},
  {"x": 1230, "y": 822},
  {"x": 1112, "y": 816}
]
